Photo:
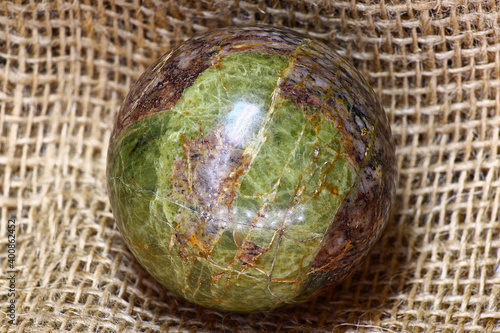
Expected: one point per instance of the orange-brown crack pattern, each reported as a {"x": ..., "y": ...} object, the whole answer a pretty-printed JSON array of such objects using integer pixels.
[{"x": 206, "y": 181}]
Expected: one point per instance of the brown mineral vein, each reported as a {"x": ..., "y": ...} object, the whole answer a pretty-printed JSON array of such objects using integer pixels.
[
  {"x": 252, "y": 153},
  {"x": 254, "y": 148},
  {"x": 271, "y": 113}
]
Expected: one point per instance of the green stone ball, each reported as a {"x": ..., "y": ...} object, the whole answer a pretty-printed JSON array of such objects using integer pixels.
[{"x": 251, "y": 168}]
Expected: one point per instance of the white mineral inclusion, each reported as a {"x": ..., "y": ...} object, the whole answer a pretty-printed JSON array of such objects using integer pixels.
[{"x": 241, "y": 122}]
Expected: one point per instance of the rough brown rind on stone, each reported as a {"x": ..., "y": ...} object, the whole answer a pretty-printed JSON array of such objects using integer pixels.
[
  {"x": 354, "y": 230},
  {"x": 162, "y": 84},
  {"x": 322, "y": 82},
  {"x": 364, "y": 212},
  {"x": 261, "y": 39},
  {"x": 357, "y": 91},
  {"x": 357, "y": 225},
  {"x": 330, "y": 86}
]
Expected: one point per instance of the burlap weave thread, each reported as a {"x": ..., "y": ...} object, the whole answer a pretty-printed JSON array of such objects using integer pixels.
[{"x": 65, "y": 68}]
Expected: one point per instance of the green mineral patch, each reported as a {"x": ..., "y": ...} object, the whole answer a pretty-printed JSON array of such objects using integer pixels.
[{"x": 283, "y": 202}]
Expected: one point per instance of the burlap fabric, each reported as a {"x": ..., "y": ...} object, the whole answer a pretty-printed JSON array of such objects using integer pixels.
[{"x": 66, "y": 67}]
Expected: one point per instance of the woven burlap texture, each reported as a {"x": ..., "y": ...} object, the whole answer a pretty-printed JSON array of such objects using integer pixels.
[{"x": 65, "y": 68}]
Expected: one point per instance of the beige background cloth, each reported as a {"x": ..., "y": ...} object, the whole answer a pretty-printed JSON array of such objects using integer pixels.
[{"x": 65, "y": 68}]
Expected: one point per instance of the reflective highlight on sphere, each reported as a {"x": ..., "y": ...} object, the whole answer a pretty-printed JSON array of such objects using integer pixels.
[
  {"x": 242, "y": 123},
  {"x": 250, "y": 169}
]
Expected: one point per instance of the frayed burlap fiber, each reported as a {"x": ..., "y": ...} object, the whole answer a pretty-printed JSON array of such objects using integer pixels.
[{"x": 65, "y": 68}]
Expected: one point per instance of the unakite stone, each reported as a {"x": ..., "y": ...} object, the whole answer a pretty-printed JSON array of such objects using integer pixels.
[{"x": 250, "y": 169}]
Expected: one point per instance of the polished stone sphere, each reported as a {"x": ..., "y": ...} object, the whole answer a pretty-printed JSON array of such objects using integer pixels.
[{"x": 251, "y": 168}]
